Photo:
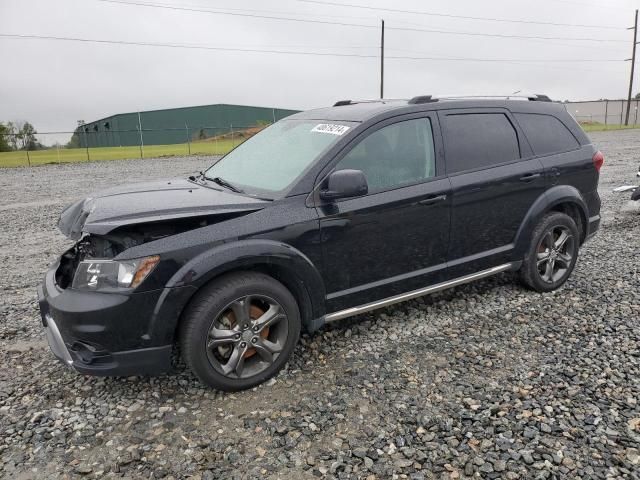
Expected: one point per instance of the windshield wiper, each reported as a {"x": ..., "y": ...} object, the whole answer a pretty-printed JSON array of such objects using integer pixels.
[{"x": 223, "y": 183}]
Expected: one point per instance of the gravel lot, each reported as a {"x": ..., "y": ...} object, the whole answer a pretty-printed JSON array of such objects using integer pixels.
[{"x": 485, "y": 380}]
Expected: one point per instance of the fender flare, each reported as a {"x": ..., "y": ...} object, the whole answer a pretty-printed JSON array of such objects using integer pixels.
[
  {"x": 557, "y": 195},
  {"x": 242, "y": 254}
]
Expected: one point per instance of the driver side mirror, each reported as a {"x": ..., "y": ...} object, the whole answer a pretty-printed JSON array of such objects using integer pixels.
[{"x": 345, "y": 184}]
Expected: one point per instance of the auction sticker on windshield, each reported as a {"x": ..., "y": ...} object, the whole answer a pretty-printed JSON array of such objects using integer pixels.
[{"x": 330, "y": 128}]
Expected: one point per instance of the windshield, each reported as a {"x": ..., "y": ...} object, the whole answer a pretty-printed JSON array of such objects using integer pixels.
[{"x": 273, "y": 159}]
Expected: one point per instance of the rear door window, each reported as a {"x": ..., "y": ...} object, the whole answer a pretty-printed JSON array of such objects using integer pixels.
[
  {"x": 546, "y": 133},
  {"x": 479, "y": 140}
]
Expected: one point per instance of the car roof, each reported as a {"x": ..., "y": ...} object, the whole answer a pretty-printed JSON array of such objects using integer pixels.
[{"x": 362, "y": 110}]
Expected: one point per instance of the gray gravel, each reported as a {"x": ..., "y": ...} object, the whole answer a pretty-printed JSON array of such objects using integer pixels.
[{"x": 485, "y": 380}]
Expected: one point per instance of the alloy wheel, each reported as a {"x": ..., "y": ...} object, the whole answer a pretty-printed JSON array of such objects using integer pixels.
[
  {"x": 247, "y": 336},
  {"x": 555, "y": 253}
]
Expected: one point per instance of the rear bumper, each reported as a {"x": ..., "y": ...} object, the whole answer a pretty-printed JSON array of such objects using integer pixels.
[
  {"x": 102, "y": 334},
  {"x": 594, "y": 225}
]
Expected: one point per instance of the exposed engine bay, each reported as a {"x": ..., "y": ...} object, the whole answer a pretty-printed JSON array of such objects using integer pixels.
[
  {"x": 112, "y": 221},
  {"x": 106, "y": 247}
]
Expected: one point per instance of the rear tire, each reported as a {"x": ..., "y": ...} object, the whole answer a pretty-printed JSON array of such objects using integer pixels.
[
  {"x": 239, "y": 331},
  {"x": 552, "y": 254}
]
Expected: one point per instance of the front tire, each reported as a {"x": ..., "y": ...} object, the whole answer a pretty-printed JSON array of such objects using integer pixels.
[
  {"x": 239, "y": 331},
  {"x": 552, "y": 254}
]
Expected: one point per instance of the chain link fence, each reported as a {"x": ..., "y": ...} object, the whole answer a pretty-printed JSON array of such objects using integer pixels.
[
  {"x": 604, "y": 112},
  {"x": 89, "y": 145},
  {"x": 92, "y": 145}
]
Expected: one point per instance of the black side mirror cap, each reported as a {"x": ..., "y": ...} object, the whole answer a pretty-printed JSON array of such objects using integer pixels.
[{"x": 345, "y": 184}]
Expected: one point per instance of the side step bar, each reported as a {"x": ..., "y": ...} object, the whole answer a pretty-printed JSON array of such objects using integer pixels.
[{"x": 367, "y": 307}]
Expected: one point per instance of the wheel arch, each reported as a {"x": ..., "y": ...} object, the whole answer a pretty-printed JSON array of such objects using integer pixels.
[
  {"x": 561, "y": 198},
  {"x": 278, "y": 260}
]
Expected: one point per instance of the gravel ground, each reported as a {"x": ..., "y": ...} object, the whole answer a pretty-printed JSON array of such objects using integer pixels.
[{"x": 487, "y": 380}]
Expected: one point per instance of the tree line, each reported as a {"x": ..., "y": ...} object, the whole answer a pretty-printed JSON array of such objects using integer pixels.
[{"x": 18, "y": 136}]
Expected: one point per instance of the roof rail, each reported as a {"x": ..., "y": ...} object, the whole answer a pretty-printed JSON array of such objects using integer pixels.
[
  {"x": 536, "y": 97},
  {"x": 341, "y": 103},
  {"x": 422, "y": 99}
]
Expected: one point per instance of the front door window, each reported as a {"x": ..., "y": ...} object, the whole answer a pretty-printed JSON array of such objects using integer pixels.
[{"x": 395, "y": 155}]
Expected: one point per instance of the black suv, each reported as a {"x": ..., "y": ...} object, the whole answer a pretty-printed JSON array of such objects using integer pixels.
[{"x": 325, "y": 214}]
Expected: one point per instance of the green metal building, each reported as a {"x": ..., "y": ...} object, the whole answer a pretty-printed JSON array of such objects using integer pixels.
[{"x": 175, "y": 125}]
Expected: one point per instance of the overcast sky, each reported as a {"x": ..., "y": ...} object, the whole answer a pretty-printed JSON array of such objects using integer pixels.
[{"x": 54, "y": 83}]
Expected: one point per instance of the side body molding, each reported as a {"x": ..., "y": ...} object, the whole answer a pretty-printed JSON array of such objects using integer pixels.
[
  {"x": 560, "y": 194},
  {"x": 282, "y": 257}
]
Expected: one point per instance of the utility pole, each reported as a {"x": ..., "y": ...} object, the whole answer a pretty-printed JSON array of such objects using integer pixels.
[
  {"x": 633, "y": 64},
  {"x": 188, "y": 137},
  {"x": 382, "y": 61},
  {"x": 141, "y": 140},
  {"x": 81, "y": 125}
]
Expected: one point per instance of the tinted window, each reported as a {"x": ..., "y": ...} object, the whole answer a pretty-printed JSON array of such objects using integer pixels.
[
  {"x": 477, "y": 140},
  {"x": 546, "y": 134},
  {"x": 395, "y": 155}
]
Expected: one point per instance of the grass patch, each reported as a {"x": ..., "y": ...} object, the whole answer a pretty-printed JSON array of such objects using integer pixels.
[
  {"x": 601, "y": 127},
  {"x": 73, "y": 155},
  {"x": 209, "y": 146}
]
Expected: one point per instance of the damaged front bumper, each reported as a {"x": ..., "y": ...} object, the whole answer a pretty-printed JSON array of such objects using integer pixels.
[
  {"x": 103, "y": 333},
  {"x": 56, "y": 343}
]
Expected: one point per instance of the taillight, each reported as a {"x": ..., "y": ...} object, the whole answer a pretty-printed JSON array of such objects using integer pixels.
[{"x": 598, "y": 160}]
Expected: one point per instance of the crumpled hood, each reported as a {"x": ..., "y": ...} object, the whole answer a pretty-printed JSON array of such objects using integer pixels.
[{"x": 149, "y": 202}]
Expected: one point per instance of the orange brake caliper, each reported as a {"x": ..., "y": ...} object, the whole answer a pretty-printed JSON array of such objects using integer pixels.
[{"x": 254, "y": 313}]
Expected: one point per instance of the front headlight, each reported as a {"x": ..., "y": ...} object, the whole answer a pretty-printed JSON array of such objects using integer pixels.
[{"x": 98, "y": 275}]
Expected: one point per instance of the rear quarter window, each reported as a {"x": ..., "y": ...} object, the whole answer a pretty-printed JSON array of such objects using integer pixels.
[
  {"x": 546, "y": 133},
  {"x": 479, "y": 140}
]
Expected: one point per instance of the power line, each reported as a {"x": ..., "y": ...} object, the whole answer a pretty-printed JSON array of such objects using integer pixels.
[
  {"x": 528, "y": 60},
  {"x": 179, "y": 45},
  {"x": 500, "y": 35},
  {"x": 607, "y": 50},
  {"x": 608, "y": 47},
  {"x": 465, "y": 17},
  {"x": 592, "y": 5},
  {"x": 295, "y": 52},
  {"x": 346, "y": 24},
  {"x": 276, "y": 12},
  {"x": 236, "y": 14}
]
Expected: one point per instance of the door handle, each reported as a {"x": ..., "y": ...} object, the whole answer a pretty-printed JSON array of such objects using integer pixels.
[
  {"x": 433, "y": 199},
  {"x": 529, "y": 177}
]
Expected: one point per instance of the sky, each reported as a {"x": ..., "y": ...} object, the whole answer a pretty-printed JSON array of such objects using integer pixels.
[{"x": 53, "y": 83}]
